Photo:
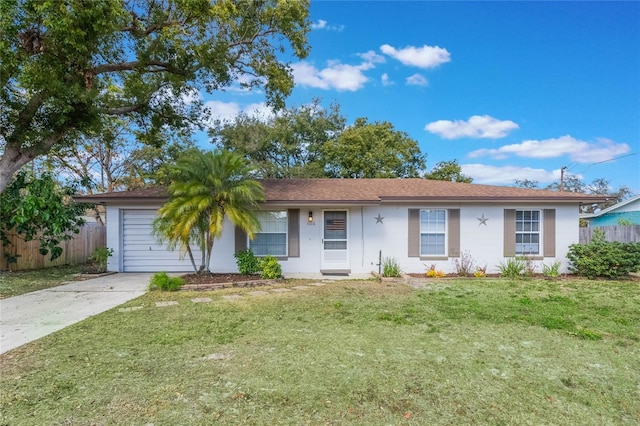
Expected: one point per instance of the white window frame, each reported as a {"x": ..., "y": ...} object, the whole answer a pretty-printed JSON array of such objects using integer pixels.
[
  {"x": 528, "y": 232},
  {"x": 259, "y": 215},
  {"x": 444, "y": 233}
]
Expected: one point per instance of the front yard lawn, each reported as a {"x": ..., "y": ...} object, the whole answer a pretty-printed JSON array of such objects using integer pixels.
[
  {"x": 457, "y": 352},
  {"x": 21, "y": 282}
]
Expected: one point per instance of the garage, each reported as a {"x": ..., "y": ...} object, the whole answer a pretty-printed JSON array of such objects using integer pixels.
[{"x": 141, "y": 252}]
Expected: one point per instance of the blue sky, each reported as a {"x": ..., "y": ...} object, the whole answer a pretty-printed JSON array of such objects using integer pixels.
[{"x": 511, "y": 90}]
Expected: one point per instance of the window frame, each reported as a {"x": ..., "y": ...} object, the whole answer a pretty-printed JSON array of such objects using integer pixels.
[
  {"x": 444, "y": 233},
  {"x": 530, "y": 232},
  {"x": 286, "y": 233}
]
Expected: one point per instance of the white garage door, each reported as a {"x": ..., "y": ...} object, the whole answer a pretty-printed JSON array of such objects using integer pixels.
[{"x": 141, "y": 251}]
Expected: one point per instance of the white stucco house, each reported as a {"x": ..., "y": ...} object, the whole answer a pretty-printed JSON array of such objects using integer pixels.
[{"x": 339, "y": 226}]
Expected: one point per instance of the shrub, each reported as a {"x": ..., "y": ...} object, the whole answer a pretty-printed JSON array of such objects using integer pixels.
[
  {"x": 100, "y": 257},
  {"x": 247, "y": 262},
  {"x": 465, "y": 266},
  {"x": 623, "y": 221},
  {"x": 552, "y": 270},
  {"x": 390, "y": 267},
  {"x": 161, "y": 281},
  {"x": 270, "y": 268},
  {"x": 601, "y": 258},
  {"x": 515, "y": 267}
]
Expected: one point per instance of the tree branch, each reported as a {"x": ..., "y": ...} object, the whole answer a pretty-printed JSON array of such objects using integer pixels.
[{"x": 135, "y": 65}]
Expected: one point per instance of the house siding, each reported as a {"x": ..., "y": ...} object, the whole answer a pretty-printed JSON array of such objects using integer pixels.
[{"x": 484, "y": 242}]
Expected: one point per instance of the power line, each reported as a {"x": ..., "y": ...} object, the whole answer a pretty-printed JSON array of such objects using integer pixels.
[
  {"x": 615, "y": 158},
  {"x": 605, "y": 161}
]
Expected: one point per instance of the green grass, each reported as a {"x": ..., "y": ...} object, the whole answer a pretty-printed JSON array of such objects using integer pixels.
[
  {"x": 21, "y": 282},
  {"x": 468, "y": 352}
]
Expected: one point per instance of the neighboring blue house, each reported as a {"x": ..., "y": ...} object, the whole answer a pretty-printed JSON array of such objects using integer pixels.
[{"x": 628, "y": 210}]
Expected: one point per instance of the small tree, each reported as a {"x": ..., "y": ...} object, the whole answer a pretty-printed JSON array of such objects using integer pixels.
[
  {"x": 38, "y": 208},
  {"x": 208, "y": 187}
]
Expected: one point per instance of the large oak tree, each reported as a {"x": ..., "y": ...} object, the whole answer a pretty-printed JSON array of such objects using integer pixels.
[
  {"x": 373, "y": 150},
  {"x": 286, "y": 145},
  {"x": 67, "y": 65}
]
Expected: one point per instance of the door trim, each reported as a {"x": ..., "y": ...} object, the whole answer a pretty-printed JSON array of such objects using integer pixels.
[{"x": 337, "y": 267}]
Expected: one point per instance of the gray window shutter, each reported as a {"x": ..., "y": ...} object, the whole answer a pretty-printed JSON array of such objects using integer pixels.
[
  {"x": 414, "y": 232},
  {"x": 454, "y": 232},
  {"x": 241, "y": 240},
  {"x": 549, "y": 232},
  {"x": 294, "y": 232},
  {"x": 509, "y": 232}
]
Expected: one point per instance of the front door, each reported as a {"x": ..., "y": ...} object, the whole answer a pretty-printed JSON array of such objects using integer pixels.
[{"x": 335, "y": 244}]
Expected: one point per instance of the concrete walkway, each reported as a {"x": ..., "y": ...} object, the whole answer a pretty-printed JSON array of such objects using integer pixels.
[{"x": 31, "y": 316}]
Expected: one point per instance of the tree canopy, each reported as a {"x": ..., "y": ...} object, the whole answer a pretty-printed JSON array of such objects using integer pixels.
[
  {"x": 286, "y": 145},
  {"x": 373, "y": 150},
  {"x": 574, "y": 183},
  {"x": 448, "y": 170},
  {"x": 67, "y": 66}
]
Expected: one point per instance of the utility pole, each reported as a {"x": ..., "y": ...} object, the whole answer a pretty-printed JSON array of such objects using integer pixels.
[{"x": 562, "y": 177}]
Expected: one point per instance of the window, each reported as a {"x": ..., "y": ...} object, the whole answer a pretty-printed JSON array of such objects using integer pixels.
[
  {"x": 433, "y": 231},
  {"x": 272, "y": 238},
  {"x": 527, "y": 232}
]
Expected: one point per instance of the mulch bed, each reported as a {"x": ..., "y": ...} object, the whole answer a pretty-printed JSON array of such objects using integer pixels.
[{"x": 213, "y": 281}]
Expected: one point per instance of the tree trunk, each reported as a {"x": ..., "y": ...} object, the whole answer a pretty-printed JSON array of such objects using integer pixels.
[
  {"x": 208, "y": 251},
  {"x": 11, "y": 162},
  {"x": 193, "y": 261}
]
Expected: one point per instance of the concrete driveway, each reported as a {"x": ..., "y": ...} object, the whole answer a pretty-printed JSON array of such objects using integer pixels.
[{"x": 31, "y": 316}]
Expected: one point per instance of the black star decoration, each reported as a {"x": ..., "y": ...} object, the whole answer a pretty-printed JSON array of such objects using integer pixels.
[
  {"x": 483, "y": 220},
  {"x": 379, "y": 218}
]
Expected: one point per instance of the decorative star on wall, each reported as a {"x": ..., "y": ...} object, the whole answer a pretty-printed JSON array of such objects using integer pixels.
[
  {"x": 379, "y": 218},
  {"x": 483, "y": 220}
]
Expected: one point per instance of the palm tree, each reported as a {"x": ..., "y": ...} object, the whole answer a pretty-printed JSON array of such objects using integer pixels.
[{"x": 208, "y": 187}]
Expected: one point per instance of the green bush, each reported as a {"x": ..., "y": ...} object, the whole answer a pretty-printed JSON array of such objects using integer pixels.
[
  {"x": 247, "y": 262},
  {"x": 270, "y": 268},
  {"x": 390, "y": 267},
  {"x": 100, "y": 257},
  {"x": 515, "y": 267},
  {"x": 601, "y": 258},
  {"x": 162, "y": 281},
  {"x": 552, "y": 270}
]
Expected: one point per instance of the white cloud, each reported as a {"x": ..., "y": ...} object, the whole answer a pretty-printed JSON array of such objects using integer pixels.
[
  {"x": 417, "y": 80},
  {"x": 227, "y": 111},
  {"x": 421, "y": 57},
  {"x": 337, "y": 76},
  {"x": 505, "y": 175},
  {"x": 321, "y": 24},
  {"x": 372, "y": 57},
  {"x": 577, "y": 150},
  {"x": 385, "y": 80},
  {"x": 223, "y": 110},
  {"x": 478, "y": 126}
]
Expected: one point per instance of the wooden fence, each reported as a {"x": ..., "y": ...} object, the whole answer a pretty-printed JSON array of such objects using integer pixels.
[
  {"x": 624, "y": 234},
  {"x": 74, "y": 251}
]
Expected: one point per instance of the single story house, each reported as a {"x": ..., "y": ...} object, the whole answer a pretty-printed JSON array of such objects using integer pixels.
[
  {"x": 628, "y": 211},
  {"x": 340, "y": 226}
]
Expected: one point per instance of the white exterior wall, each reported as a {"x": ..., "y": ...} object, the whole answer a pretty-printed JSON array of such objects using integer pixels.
[{"x": 367, "y": 238}]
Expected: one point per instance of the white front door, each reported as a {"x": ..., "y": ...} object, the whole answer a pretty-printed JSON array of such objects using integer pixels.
[{"x": 335, "y": 243}]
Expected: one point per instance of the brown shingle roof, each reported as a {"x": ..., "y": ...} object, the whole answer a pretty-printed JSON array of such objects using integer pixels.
[{"x": 370, "y": 191}]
